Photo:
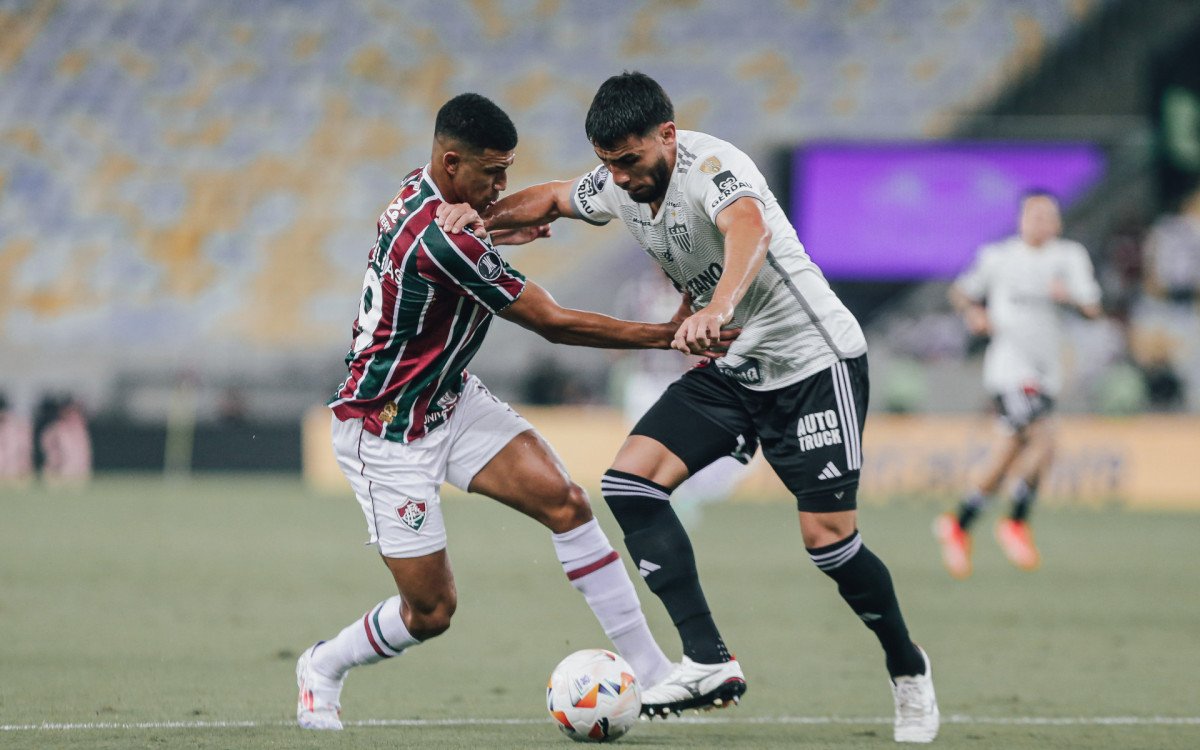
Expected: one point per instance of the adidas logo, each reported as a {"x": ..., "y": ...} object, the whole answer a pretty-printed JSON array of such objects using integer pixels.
[
  {"x": 645, "y": 567},
  {"x": 829, "y": 472}
]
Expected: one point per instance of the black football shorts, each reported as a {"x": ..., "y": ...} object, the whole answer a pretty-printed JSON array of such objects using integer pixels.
[{"x": 810, "y": 431}]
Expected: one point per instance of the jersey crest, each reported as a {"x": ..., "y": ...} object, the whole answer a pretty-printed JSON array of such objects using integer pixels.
[{"x": 412, "y": 514}]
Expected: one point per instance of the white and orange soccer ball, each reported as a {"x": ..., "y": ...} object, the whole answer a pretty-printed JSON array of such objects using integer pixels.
[{"x": 593, "y": 696}]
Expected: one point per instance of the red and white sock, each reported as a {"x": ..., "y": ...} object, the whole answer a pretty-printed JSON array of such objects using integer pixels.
[
  {"x": 379, "y": 634},
  {"x": 595, "y": 569}
]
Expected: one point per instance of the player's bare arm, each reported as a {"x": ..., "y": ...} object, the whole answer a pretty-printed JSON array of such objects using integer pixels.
[
  {"x": 534, "y": 206},
  {"x": 747, "y": 238},
  {"x": 973, "y": 313},
  {"x": 537, "y": 311},
  {"x": 1061, "y": 294}
]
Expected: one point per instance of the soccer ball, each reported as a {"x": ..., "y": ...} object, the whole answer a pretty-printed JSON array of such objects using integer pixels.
[{"x": 593, "y": 696}]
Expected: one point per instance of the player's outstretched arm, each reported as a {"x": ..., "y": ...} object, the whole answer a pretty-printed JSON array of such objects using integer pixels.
[
  {"x": 973, "y": 313},
  {"x": 747, "y": 238},
  {"x": 534, "y": 206},
  {"x": 536, "y": 310}
]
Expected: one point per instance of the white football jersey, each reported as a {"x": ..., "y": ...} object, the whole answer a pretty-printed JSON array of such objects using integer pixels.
[
  {"x": 793, "y": 325},
  {"x": 1017, "y": 281}
]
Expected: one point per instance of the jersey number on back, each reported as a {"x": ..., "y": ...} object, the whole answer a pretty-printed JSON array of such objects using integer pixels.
[{"x": 370, "y": 310}]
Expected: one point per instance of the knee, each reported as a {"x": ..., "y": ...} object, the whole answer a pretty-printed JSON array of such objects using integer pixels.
[
  {"x": 568, "y": 509},
  {"x": 824, "y": 529},
  {"x": 426, "y": 620}
]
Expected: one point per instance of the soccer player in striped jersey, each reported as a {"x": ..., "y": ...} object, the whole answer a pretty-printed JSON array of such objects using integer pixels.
[
  {"x": 1025, "y": 280},
  {"x": 409, "y": 417},
  {"x": 795, "y": 380}
]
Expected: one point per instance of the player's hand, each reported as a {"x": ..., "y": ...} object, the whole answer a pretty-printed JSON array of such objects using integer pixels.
[
  {"x": 720, "y": 349},
  {"x": 701, "y": 331},
  {"x": 976, "y": 318},
  {"x": 1059, "y": 292},
  {"x": 455, "y": 217},
  {"x": 520, "y": 236}
]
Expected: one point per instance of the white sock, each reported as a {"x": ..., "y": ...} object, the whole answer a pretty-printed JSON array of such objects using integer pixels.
[
  {"x": 595, "y": 569},
  {"x": 380, "y": 634}
]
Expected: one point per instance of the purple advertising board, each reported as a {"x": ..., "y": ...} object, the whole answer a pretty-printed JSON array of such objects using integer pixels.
[{"x": 916, "y": 211}]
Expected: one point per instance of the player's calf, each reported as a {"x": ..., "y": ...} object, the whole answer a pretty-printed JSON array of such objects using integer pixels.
[{"x": 866, "y": 585}]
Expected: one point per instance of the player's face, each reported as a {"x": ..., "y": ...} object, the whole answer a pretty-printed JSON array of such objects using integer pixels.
[
  {"x": 480, "y": 176},
  {"x": 639, "y": 164},
  {"x": 1040, "y": 220}
]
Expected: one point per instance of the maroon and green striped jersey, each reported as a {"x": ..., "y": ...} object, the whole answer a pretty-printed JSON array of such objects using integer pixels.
[{"x": 427, "y": 301}]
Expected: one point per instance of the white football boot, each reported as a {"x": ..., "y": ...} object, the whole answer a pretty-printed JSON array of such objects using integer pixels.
[
  {"x": 693, "y": 685},
  {"x": 317, "y": 706},
  {"x": 917, "y": 717}
]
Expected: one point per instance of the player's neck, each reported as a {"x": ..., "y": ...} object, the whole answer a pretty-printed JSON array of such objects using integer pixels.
[
  {"x": 655, "y": 205},
  {"x": 443, "y": 183}
]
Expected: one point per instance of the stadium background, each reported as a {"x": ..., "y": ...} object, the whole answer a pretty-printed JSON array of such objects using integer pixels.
[{"x": 188, "y": 189}]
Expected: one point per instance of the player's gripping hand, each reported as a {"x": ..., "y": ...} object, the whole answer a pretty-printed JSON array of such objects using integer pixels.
[
  {"x": 700, "y": 333},
  {"x": 976, "y": 318},
  {"x": 456, "y": 217}
]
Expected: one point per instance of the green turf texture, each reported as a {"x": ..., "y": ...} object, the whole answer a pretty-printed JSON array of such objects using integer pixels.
[{"x": 144, "y": 600}]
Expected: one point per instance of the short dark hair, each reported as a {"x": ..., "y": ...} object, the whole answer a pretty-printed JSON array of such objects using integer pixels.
[
  {"x": 476, "y": 121},
  {"x": 1038, "y": 192},
  {"x": 628, "y": 104}
]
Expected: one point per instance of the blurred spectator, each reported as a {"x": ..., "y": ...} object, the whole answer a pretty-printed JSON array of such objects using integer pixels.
[
  {"x": 232, "y": 408},
  {"x": 1122, "y": 267},
  {"x": 547, "y": 383},
  {"x": 1173, "y": 254},
  {"x": 66, "y": 445},
  {"x": 16, "y": 445},
  {"x": 1165, "y": 336}
]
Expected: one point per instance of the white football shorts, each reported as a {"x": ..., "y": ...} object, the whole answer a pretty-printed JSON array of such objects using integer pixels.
[{"x": 398, "y": 485}]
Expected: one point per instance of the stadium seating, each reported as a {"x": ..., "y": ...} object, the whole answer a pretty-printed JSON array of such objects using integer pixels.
[{"x": 191, "y": 180}]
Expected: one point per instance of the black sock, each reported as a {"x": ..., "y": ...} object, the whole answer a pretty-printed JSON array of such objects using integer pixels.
[
  {"x": 864, "y": 582},
  {"x": 1022, "y": 500},
  {"x": 969, "y": 508},
  {"x": 659, "y": 545}
]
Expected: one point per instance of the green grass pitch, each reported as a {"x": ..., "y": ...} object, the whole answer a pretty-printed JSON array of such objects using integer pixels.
[{"x": 181, "y": 606}]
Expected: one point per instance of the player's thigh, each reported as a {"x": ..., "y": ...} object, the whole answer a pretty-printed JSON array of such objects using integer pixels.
[
  {"x": 396, "y": 486},
  {"x": 697, "y": 420},
  {"x": 527, "y": 476},
  {"x": 811, "y": 434},
  {"x": 497, "y": 453}
]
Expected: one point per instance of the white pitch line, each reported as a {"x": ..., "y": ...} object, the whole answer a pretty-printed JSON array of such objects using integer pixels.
[{"x": 1049, "y": 721}]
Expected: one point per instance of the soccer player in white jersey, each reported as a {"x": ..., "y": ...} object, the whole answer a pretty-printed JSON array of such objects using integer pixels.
[
  {"x": 794, "y": 381},
  {"x": 1015, "y": 292},
  {"x": 409, "y": 417}
]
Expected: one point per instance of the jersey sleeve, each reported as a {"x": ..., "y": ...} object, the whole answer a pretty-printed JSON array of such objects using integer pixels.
[
  {"x": 1081, "y": 277},
  {"x": 718, "y": 178},
  {"x": 469, "y": 267},
  {"x": 593, "y": 197},
  {"x": 974, "y": 282}
]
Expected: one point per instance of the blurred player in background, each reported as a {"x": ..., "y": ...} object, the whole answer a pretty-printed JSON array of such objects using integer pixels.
[
  {"x": 16, "y": 446},
  {"x": 409, "y": 416},
  {"x": 1025, "y": 281},
  {"x": 795, "y": 380}
]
